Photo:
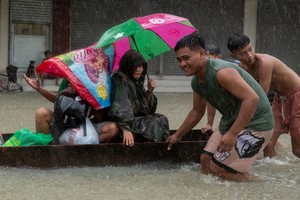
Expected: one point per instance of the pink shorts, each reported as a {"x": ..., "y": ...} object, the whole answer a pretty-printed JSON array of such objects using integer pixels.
[
  {"x": 286, "y": 110},
  {"x": 248, "y": 146}
]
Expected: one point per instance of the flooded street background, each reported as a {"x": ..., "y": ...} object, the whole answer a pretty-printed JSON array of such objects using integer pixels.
[{"x": 147, "y": 181}]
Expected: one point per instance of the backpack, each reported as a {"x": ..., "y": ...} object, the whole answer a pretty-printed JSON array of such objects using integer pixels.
[{"x": 70, "y": 109}]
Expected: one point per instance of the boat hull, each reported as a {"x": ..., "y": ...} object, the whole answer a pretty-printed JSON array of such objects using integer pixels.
[{"x": 106, "y": 154}]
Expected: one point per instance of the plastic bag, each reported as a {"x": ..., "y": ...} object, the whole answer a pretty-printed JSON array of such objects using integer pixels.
[
  {"x": 24, "y": 137},
  {"x": 85, "y": 134}
]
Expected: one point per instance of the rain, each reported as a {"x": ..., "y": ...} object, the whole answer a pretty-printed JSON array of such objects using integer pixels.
[{"x": 275, "y": 28}]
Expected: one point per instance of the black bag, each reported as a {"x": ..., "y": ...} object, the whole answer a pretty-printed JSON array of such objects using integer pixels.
[{"x": 70, "y": 110}]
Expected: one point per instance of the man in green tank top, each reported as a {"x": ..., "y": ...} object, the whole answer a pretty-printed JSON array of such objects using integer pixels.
[{"x": 247, "y": 121}]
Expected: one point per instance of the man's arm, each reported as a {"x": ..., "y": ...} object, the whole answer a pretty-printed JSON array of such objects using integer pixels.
[
  {"x": 192, "y": 119},
  {"x": 232, "y": 81},
  {"x": 211, "y": 112},
  {"x": 35, "y": 84}
]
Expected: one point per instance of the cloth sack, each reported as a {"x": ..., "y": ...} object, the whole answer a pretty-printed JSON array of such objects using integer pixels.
[
  {"x": 24, "y": 137},
  {"x": 85, "y": 134}
]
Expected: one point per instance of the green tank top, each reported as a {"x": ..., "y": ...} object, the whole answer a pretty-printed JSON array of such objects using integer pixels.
[{"x": 227, "y": 104}]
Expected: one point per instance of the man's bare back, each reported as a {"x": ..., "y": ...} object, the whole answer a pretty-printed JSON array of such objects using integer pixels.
[{"x": 283, "y": 79}]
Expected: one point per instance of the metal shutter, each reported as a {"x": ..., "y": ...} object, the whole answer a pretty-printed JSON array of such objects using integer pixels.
[{"x": 31, "y": 10}]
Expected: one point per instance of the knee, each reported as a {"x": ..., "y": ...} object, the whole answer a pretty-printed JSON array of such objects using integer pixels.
[
  {"x": 296, "y": 151},
  {"x": 205, "y": 163},
  {"x": 110, "y": 128},
  {"x": 43, "y": 114}
]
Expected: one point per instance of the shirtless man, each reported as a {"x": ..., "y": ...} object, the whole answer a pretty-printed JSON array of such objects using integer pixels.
[
  {"x": 273, "y": 74},
  {"x": 247, "y": 122}
]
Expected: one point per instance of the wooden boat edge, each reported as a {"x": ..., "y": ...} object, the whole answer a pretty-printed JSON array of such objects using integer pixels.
[{"x": 106, "y": 154}]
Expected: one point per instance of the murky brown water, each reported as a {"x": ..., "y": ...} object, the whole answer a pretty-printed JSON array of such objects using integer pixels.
[{"x": 150, "y": 181}]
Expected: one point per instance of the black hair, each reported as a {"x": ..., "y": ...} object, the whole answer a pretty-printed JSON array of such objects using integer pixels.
[
  {"x": 213, "y": 49},
  {"x": 193, "y": 41},
  {"x": 47, "y": 52},
  {"x": 130, "y": 61},
  {"x": 237, "y": 41}
]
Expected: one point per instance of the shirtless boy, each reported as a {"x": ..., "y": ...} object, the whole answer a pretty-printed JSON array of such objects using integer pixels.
[{"x": 273, "y": 74}]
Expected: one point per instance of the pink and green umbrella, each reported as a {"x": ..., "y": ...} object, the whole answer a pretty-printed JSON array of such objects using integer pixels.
[{"x": 151, "y": 35}]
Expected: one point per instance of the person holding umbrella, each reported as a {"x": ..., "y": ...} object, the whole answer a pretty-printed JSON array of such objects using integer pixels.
[
  {"x": 132, "y": 107},
  {"x": 247, "y": 121}
]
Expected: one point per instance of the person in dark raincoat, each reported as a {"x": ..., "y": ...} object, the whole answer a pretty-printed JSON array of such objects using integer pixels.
[{"x": 132, "y": 107}]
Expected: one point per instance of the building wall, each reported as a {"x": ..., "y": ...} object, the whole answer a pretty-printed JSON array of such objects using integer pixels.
[
  {"x": 216, "y": 20},
  {"x": 4, "y": 31},
  {"x": 278, "y": 30},
  {"x": 60, "y": 26},
  {"x": 273, "y": 25}
]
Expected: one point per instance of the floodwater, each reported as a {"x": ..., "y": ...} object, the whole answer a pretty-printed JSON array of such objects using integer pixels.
[{"x": 147, "y": 181}]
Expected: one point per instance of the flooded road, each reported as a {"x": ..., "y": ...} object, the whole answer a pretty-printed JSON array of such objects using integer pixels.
[{"x": 147, "y": 181}]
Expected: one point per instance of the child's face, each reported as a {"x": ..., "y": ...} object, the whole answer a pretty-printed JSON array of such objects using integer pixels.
[{"x": 138, "y": 72}]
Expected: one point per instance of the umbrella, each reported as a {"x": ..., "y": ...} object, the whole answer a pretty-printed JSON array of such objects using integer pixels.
[
  {"x": 151, "y": 35},
  {"x": 88, "y": 70}
]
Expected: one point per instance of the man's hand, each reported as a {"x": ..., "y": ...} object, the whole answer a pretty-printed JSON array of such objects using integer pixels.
[
  {"x": 128, "y": 138},
  {"x": 34, "y": 83},
  {"x": 172, "y": 140},
  {"x": 206, "y": 129},
  {"x": 227, "y": 142}
]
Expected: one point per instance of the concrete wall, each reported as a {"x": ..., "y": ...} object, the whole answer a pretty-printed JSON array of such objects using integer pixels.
[
  {"x": 250, "y": 20},
  {"x": 4, "y": 32}
]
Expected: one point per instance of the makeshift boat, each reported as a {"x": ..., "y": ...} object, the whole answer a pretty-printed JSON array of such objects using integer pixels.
[{"x": 105, "y": 154}]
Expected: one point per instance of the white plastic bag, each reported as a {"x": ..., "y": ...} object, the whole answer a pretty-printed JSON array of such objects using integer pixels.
[{"x": 85, "y": 134}]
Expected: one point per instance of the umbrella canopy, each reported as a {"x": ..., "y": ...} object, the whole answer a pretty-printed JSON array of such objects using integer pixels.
[
  {"x": 88, "y": 70},
  {"x": 151, "y": 35}
]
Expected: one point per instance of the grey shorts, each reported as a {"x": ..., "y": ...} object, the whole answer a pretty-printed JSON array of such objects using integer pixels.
[
  {"x": 248, "y": 146},
  {"x": 56, "y": 130}
]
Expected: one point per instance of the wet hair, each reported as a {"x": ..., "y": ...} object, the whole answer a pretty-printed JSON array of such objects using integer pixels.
[
  {"x": 130, "y": 61},
  {"x": 47, "y": 53},
  {"x": 193, "y": 41},
  {"x": 237, "y": 41},
  {"x": 213, "y": 49}
]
